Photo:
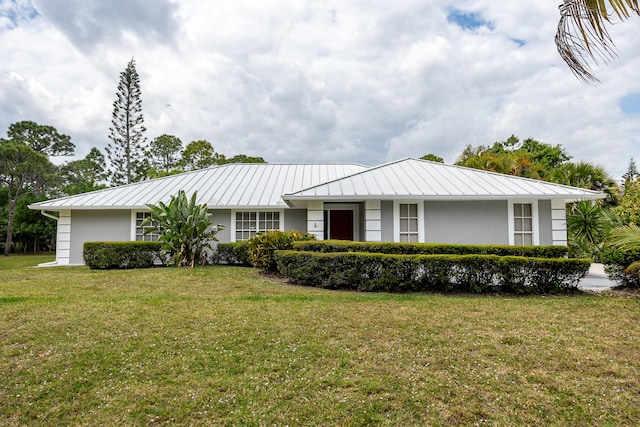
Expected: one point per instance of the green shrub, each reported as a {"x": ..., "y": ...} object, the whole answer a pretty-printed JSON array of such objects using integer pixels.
[
  {"x": 236, "y": 253},
  {"x": 431, "y": 248},
  {"x": 375, "y": 272},
  {"x": 122, "y": 255},
  {"x": 262, "y": 246},
  {"x": 616, "y": 261}
]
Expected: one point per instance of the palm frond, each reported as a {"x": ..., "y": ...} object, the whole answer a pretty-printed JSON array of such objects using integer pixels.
[
  {"x": 582, "y": 35},
  {"x": 626, "y": 238}
]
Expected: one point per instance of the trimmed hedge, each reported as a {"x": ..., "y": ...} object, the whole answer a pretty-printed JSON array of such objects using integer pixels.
[
  {"x": 325, "y": 246},
  {"x": 122, "y": 255},
  {"x": 236, "y": 253},
  {"x": 374, "y": 272},
  {"x": 616, "y": 262}
]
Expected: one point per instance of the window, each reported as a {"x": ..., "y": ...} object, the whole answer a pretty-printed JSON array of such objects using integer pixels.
[
  {"x": 408, "y": 222},
  {"x": 248, "y": 224},
  {"x": 522, "y": 224},
  {"x": 150, "y": 237}
]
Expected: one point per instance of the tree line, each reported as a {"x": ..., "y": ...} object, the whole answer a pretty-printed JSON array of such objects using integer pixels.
[{"x": 28, "y": 174}]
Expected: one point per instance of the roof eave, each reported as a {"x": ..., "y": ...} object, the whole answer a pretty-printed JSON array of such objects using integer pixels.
[
  {"x": 291, "y": 199},
  {"x": 144, "y": 207}
]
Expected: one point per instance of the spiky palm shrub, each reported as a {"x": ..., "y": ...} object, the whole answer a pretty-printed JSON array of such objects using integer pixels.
[
  {"x": 586, "y": 226},
  {"x": 185, "y": 228}
]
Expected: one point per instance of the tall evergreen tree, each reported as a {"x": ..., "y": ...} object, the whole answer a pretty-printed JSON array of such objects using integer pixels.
[
  {"x": 631, "y": 174},
  {"x": 126, "y": 151}
]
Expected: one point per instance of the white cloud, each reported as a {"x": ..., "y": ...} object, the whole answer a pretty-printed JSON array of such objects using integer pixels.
[{"x": 317, "y": 80}]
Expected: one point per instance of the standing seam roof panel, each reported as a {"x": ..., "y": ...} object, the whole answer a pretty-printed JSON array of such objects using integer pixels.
[
  {"x": 207, "y": 192},
  {"x": 226, "y": 188},
  {"x": 383, "y": 181},
  {"x": 248, "y": 181},
  {"x": 441, "y": 175},
  {"x": 404, "y": 184},
  {"x": 422, "y": 179}
]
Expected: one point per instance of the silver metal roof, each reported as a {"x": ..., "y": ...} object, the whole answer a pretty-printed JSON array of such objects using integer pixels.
[
  {"x": 271, "y": 185},
  {"x": 426, "y": 180},
  {"x": 243, "y": 185}
]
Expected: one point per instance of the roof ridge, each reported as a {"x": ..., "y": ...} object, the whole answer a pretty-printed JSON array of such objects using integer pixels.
[{"x": 349, "y": 176}]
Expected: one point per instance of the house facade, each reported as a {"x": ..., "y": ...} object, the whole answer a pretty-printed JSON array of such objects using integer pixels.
[{"x": 408, "y": 200}]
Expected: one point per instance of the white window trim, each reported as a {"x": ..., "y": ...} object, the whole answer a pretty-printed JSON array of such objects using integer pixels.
[
  {"x": 396, "y": 219},
  {"x": 133, "y": 223},
  {"x": 233, "y": 219},
  {"x": 534, "y": 227}
]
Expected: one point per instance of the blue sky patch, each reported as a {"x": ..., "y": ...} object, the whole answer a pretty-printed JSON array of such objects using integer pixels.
[
  {"x": 468, "y": 20},
  {"x": 17, "y": 12},
  {"x": 630, "y": 104}
]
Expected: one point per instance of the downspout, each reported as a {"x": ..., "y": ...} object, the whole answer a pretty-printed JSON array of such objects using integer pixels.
[{"x": 54, "y": 263}]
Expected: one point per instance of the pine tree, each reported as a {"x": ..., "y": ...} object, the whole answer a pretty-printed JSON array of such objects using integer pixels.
[
  {"x": 631, "y": 174},
  {"x": 126, "y": 151}
]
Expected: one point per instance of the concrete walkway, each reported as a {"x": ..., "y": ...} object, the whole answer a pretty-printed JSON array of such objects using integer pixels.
[{"x": 597, "y": 280}]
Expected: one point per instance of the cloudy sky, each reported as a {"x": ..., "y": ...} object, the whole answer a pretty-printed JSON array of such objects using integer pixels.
[{"x": 319, "y": 80}]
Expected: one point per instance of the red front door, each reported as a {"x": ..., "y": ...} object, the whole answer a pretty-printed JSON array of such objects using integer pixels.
[{"x": 341, "y": 224}]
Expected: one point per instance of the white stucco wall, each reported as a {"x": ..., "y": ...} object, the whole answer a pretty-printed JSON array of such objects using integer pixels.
[
  {"x": 222, "y": 217},
  {"x": 544, "y": 222},
  {"x": 97, "y": 226},
  {"x": 474, "y": 222},
  {"x": 295, "y": 220}
]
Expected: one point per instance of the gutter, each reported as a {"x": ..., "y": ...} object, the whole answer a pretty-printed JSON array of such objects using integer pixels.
[{"x": 48, "y": 215}]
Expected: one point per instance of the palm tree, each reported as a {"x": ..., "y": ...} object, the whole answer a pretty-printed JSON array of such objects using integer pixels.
[
  {"x": 627, "y": 239},
  {"x": 582, "y": 34},
  {"x": 586, "y": 175}
]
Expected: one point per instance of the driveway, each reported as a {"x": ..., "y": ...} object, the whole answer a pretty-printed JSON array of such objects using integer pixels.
[{"x": 597, "y": 280}]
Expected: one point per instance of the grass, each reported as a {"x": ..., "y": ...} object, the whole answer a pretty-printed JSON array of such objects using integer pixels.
[{"x": 224, "y": 346}]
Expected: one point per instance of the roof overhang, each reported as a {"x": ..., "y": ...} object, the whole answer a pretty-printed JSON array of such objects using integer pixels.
[
  {"x": 84, "y": 208},
  {"x": 35, "y": 206},
  {"x": 300, "y": 202}
]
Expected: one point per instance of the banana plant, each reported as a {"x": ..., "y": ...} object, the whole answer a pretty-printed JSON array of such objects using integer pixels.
[{"x": 184, "y": 227}]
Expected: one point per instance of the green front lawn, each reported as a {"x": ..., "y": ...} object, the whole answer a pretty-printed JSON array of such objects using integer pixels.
[{"x": 223, "y": 346}]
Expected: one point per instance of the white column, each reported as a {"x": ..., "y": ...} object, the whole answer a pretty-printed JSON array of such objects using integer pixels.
[
  {"x": 63, "y": 238},
  {"x": 373, "y": 221},
  {"x": 315, "y": 218},
  {"x": 558, "y": 222}
]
